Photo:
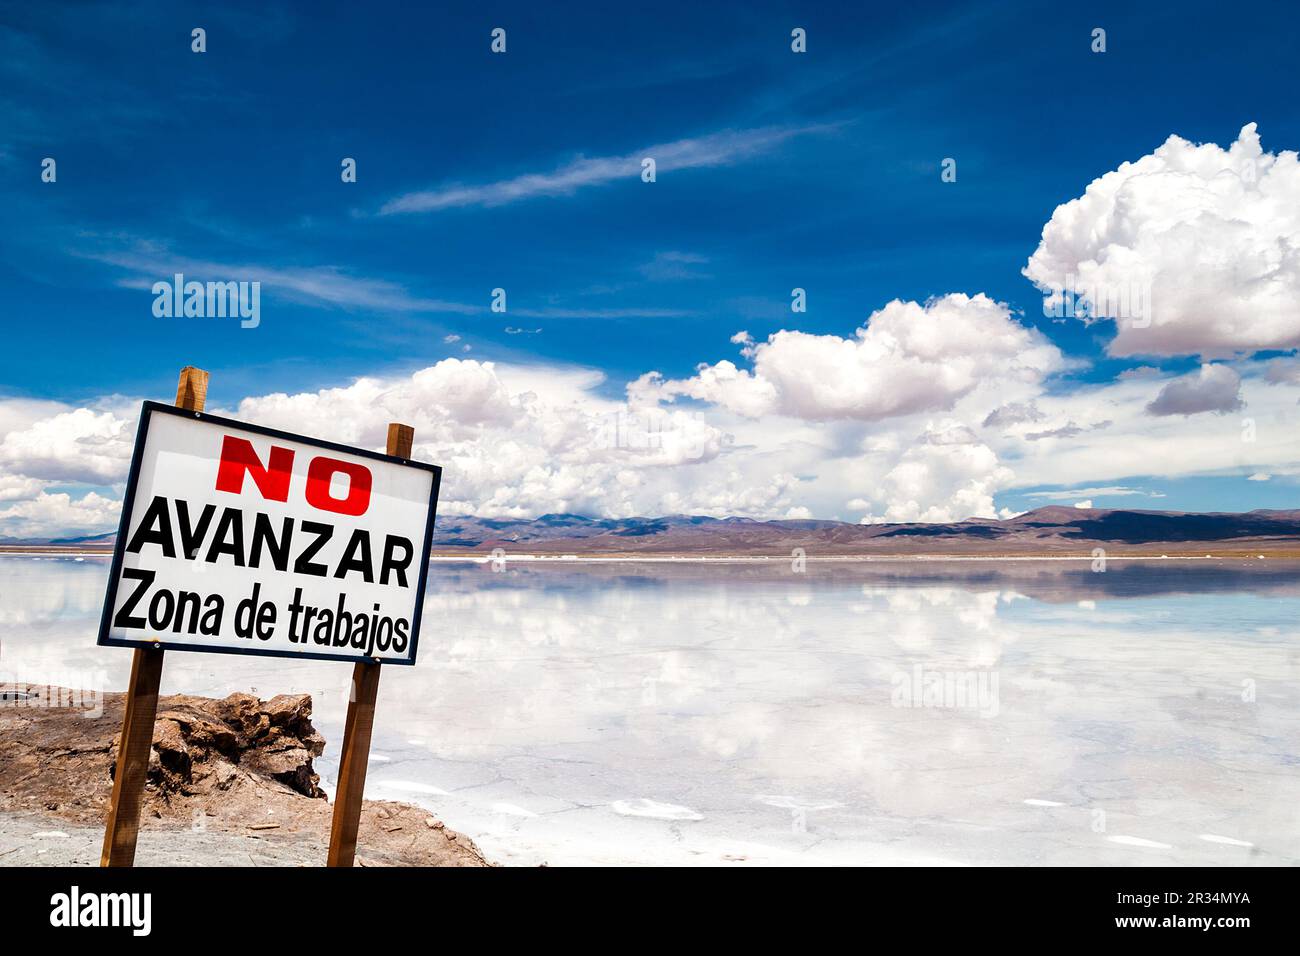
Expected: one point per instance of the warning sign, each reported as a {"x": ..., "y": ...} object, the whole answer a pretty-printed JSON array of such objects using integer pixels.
[{"x": 241, "y": 539}]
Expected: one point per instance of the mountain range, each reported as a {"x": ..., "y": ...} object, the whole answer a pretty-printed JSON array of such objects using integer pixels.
[{"x": 1049, "y": 531}]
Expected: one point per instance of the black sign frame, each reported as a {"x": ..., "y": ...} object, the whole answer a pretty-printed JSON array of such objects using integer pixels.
[{"x": 147, "y": 410}]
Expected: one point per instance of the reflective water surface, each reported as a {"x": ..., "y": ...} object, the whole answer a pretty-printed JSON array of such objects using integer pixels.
[{"x": 876, "y": 712}]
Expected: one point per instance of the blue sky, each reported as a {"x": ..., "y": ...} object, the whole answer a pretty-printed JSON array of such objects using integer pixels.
[{"x": 818, "y": 170}]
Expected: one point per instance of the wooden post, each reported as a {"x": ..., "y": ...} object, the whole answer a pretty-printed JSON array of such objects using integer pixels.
[
  {"x": 355, "y": 755},
  {"x": 133, "y": 748}
]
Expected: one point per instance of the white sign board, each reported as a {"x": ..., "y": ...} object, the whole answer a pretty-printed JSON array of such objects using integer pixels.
[{"x": 240, "y": 539}]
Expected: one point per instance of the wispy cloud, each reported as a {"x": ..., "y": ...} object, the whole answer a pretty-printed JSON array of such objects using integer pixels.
[
  {"x": 717, "y": 149},
  {"x": 564, "y": 312},
  {"x": 1111, "y": 491},
  {"x": 673, "y": 266},
  {"x": 148, "y": 262}
]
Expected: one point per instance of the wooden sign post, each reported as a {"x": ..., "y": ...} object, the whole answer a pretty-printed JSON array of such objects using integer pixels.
[
  {"x": 331, "y": 570},
  {"x": 136, "y": 743},
  {"x": 355, "y": 755}
]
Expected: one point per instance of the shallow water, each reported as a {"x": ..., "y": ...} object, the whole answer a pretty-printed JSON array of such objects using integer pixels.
[{"x": 877, "y": 712}]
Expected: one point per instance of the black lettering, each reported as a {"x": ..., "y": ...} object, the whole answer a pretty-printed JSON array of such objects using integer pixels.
[
  {"x": 307, "y": 613},
  {"x": 229, "y": 537},
  {"x": 265, "y": 621},
  {"x": 392, "y": 562},
  {"x": 191, "y": 538},
  {"x": 295, "y": 608},
  {"x": 163, "y": 601},
  {"x": 304, "y": 563},
  {"x": 324, "y": 627},
  {"x": 190, "y": 600},
  {"x": 123, "y": 617},
  {"x": 146, "y": 533},
  {"x": 246, "y": 613},
  {"x": 399, "y": 642},
  {"x": 361, "y": 632},
  {"x": 360, "y": 540},
  {"x": 342, "y": 624},
  {"x": 383, "y": 632},
  {"x": 210, "y": 624},
  {"x": 279, "y": 550}
]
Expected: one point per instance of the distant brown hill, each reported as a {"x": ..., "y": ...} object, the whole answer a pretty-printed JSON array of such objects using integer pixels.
[
  {"x": 1048, "y": 531},
  {"x": 1051, "y": 530}
]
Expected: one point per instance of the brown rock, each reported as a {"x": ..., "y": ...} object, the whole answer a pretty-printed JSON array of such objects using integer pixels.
[{"x": 223, "y": 763}]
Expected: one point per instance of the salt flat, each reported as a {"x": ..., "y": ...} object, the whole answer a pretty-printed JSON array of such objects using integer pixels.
[{"x": 740, "y": 714}]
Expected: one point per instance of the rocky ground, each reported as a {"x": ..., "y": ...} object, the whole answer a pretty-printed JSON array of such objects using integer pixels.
[{"x": 230, "y": 783}]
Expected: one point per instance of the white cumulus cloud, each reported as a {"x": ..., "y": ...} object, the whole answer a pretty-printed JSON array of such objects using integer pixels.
[
  {"x": 1208, "y": 237},
  {"x": 947, "y": 475},
  {"x": 52, "y": 515},
  {"x": 81, "y": 444},
  {"x": 907, "y": 358}
]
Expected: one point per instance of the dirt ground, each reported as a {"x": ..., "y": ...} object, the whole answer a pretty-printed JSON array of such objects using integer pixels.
[{"x": 230, "y": 783}]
